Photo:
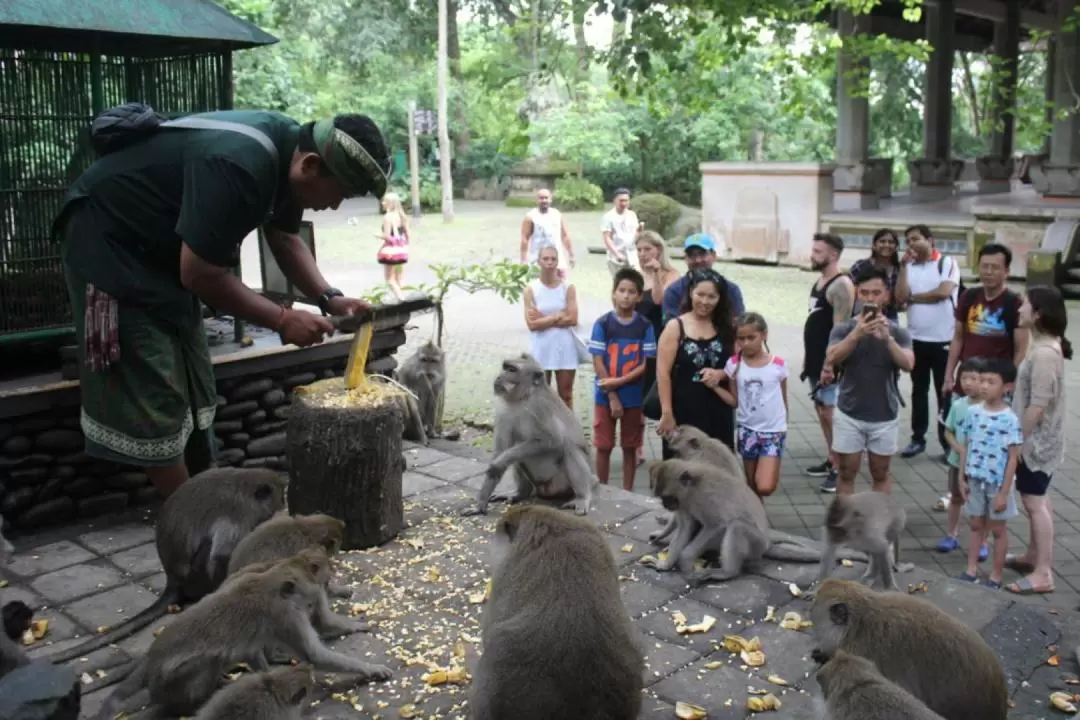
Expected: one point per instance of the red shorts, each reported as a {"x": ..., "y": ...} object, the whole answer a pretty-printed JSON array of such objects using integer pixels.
[{"x": 631, "y": 428}]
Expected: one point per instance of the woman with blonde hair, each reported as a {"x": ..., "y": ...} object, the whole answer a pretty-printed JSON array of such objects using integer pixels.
[
  {"x": 551, "y": 314},
  {"x": 394, "y": 252},
  {"x": 659, "y": 274}
]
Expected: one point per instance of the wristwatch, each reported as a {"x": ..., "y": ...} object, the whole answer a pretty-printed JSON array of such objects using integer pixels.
[{"x": 328, "y": 295}]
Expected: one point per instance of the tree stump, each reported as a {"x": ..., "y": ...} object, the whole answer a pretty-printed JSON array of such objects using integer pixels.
[{"x": 345, "y": 458}]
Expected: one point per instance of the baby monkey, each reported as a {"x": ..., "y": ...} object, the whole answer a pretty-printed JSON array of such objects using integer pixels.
[{"x": 275, "y": 695}]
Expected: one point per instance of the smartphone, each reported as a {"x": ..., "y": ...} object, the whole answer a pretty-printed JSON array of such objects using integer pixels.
[{"x": 869, "y": 310}]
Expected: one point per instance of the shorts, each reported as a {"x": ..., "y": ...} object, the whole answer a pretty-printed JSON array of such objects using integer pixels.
[
  {"x": 753, "y": 444},
  {"x": 980, "y": 502},
  {"x": 852, "y": 437},
  {"x": 824, "y": 396},
  {"x": 631, "y": 428},
  {"x": 1031, "y": 482}
]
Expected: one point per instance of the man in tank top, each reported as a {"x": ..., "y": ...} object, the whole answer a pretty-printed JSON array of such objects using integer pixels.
[
  {"x": 832, "y": 298},
  {"x": 545, "y": 225}
]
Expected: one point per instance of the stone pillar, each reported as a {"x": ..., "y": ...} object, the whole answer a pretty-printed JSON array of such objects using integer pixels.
[
  {"x": 996, "y": 168},
  {"x": 853, "y": 181},
  {"x": 1059, "y": 176},
  {"x": 933, "y": 176}
]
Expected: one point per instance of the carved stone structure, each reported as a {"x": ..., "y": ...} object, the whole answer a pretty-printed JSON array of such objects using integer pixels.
[
  {"x": 934, "y": 178},
  {"x": 995, "y": 173}
]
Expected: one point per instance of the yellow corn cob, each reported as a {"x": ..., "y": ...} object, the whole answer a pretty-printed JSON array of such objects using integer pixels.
[{"x": 358, "y": 354}]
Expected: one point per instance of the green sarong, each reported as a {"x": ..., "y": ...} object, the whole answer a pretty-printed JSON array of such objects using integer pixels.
[{"x": 159, "y": 392}]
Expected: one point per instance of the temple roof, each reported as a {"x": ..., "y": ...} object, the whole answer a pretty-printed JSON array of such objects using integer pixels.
[{"x": 126, "y": 27}]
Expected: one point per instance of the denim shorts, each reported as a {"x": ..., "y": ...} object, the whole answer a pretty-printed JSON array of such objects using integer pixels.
[
  {"x": 824, "y": 396},
  {"x": 980, "y": 502},
  {"x": 753, "y": 445}
]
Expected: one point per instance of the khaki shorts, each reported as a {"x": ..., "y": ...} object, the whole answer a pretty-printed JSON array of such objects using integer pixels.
[{"x": 852, "y": 437}]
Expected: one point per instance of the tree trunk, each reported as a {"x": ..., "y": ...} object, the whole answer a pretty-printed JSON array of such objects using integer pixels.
[
  {"x": 346, "y": 461},
  {"x": 461, "y": 120},
  {"x": 972, "y": 93},
  {"x": 445, "y": 176},
  {"x": 578, "y": 9}
]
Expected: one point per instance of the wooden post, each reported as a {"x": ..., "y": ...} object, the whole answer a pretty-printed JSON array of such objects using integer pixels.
[
  {"x": 414, "y": 160},
  {"x": 445, "y": 177},
  {"x": 345, "y": 460}
]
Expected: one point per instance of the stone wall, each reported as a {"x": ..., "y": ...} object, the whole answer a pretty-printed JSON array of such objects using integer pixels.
[{"x": 46, "y": 479}]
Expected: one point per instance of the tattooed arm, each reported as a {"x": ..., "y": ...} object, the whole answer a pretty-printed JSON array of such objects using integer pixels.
[{"x": 841, "y": 295}]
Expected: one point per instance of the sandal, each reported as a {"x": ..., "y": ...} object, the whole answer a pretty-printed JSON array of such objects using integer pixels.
[
  {"x": 992, "y": 584},
  {"x": 967, "y": 578},
  {"x": 1014, "y": 562},
  {"x": 1024, "y": 586}
]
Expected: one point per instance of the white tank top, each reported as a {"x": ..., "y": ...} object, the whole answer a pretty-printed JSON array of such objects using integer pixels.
[{"x": 547, "y": 228}]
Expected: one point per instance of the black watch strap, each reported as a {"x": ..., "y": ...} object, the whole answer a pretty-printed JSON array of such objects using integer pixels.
[{"x": 328, "y": 295}]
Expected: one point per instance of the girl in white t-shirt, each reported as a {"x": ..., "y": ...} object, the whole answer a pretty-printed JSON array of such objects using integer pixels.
[{"x": 760, "y": 393}]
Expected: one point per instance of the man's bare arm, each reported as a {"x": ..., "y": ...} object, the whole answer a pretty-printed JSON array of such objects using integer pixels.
[
  {"x": 526, "y": 233},
  {"x": 296, "y": 261},
  {"x": 841, "y": 295},
  {"x": 943, "y": 291},
  {"x": 566, "y": 239},
  {"x": 223, "y": 291},
  {"x": 956, "y": 347}
]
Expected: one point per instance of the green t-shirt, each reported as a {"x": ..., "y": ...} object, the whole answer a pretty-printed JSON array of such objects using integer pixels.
[
  {"x": 206, "y": 188},
  {"x": 954, "y": 423}
]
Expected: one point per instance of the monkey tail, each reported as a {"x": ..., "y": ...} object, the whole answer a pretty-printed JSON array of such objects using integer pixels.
[
  {"x": 170, "y": 596},
  {"x": 789, "y": 552},
  {"x": 130, "y": 696}
]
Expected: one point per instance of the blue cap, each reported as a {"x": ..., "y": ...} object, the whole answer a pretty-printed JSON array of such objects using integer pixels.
[{"x": 699, "y": 240}]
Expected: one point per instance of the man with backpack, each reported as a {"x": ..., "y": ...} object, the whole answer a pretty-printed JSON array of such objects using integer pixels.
[
  {"x": 928, "y": 287},
  {"x": 154, "y": 226},
  {"x": 986, "y": 320}
]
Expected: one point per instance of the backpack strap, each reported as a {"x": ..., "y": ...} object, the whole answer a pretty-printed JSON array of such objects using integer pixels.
[{"x": 201, "y": 123}]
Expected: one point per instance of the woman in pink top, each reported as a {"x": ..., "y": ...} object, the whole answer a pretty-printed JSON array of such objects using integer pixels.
[{"x": 394, "y": 252}]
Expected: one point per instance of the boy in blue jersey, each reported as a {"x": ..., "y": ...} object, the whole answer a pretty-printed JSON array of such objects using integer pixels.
[{"x": 621, "y": 340}]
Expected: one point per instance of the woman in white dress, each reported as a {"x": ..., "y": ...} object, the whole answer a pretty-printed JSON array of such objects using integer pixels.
[{"x": 551, "y": 313}]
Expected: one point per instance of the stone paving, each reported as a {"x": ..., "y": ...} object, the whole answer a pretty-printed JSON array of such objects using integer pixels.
[{"x": 422, "y": 593}]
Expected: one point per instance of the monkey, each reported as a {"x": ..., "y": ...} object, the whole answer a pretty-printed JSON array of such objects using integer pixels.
[
  {"x": 250, "y": 615},
  {"x": 196, "y": 531},
  {"x": 538, "y": 435},
  {"x": 283, "y": 535},
  {"x": 17, "y": 619},
  {"x": 935, "y": 657},
  {"x": 689, "y": 443},
  {"x": 274, "y": 695},
  {"x": 868, "y": 521},
  {"x": 854, "y": 689},
  {"x": 424, "y": 373},
  {"x": 317, "y": 560},
  {"x": 730, "y": 516},
  {"x": 555, "y": 593}
]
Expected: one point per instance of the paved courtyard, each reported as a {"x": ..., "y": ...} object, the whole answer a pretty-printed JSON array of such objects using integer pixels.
[{"x": 423, "y": 595}]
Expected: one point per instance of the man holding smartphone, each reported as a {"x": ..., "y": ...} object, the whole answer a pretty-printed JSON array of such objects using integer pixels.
[{"x": 868, "y": 350}]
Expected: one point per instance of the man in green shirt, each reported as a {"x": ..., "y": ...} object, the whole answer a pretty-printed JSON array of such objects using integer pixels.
[{"x": 155, "y": 227}]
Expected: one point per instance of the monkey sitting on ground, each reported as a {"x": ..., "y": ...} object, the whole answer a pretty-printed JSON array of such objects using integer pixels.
[
  {"x": 853, "y": 689},
  {"x": 12, "y": 655},
  {"x": 424, "y": 373},
  {"x": 275, "y": 695},
  {"x": 538, "y": 435},
  {"x": 924, "y": 650},
  {"x": 558, "y": 642},
  {"x": 17, "y": 619},
  {"x": 868, "y": 521},
  {"x": 326, "y": 621},
  {"x": 718, "y": 512},
  {"x": 197, "y": 529},
  {"x": 252, "y": 614},
  {"x": 282, "y": 536}
]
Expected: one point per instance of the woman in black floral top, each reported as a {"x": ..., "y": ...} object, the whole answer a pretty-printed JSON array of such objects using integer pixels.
[
  {"x": 692, "y": 352},
  {"x": 885, "y": 253}
]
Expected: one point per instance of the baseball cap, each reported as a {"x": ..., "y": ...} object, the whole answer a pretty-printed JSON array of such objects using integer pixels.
[{"x": 699, "y": 240}]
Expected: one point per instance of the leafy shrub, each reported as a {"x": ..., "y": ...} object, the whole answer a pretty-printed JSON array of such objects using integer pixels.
[
  {"x": 573, "y": 193},
  {"x": 658, "y": 212}
]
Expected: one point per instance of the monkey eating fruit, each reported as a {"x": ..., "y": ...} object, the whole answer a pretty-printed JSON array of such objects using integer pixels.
[
  {"x": 558, "y": 642},
  {"x": 196, "y": 531},
  {"x": 538, "y": 435},
  {"x": 932, "y": 655}
]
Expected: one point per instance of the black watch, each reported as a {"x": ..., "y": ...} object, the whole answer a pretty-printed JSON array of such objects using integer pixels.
[{"x": 328, "y": 295}]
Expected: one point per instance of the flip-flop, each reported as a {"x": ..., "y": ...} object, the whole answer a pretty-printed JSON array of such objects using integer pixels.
[
  {"x": 1024, "y": 586},
  {"x": 1013, "y": 562}
]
